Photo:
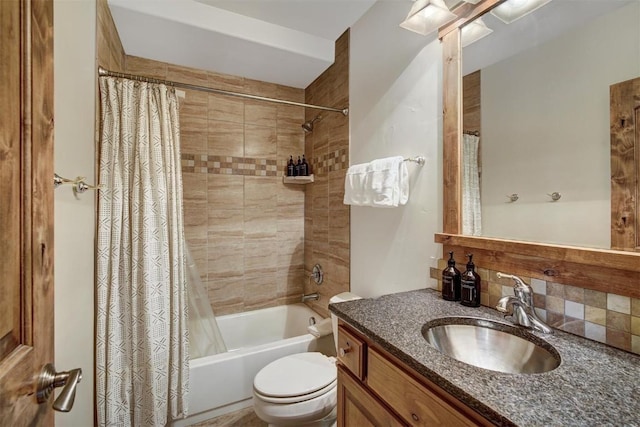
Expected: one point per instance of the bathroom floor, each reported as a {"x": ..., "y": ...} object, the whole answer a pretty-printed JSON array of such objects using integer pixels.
[{"x": 242, "y": 418}]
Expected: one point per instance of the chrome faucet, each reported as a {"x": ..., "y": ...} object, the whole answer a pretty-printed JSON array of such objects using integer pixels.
[
  {"x": 310, "y": 297},
  {"x": 521, "y": 306}
]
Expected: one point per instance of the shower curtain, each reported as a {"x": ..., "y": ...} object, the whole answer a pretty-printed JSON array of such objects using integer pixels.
[
  {"x": 471, "y": 208},
  {"x": 142, "y": 362}
]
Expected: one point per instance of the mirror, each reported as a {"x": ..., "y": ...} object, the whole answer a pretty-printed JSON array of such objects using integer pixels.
[{"x": 540, "y": 102}]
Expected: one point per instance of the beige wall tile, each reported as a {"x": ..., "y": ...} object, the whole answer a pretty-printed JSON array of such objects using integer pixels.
[
  {"x": 555, "y": 289},
  {"x": 320, "y": 229},
  {"x": 574, "y": 294},
  {"x": 226, "y": 108},
  {"x": 289, "y": 93},
  {"x": 225, "y": 138},
  {"x": 260, "y": 223},
  {"x": 262, "y": 114},
  {"x": 224, "y": 223},
  {"x": 618, "y": 321},
  {"x": 619, "y": 339},
  {"x": 595, "y": 332},
  {"x": 259, "y": 88},
  {"x": 194, "y": 186},
  {"x": 290, "y": 117},
  {"x": 635, "y": 307},
  {"x": 635, "y": 325},
  {"x": 619, "y": 303},
  {"x": 554, "y": 304},
  {"x": 225, "y": 258},
  {"x": 225, "y": 82},
  {"x": 635, "y": 344},
  {"x": 260, "y": 141},
  {"x": 187, "y": 75},
  {"x": 260, "y": 255},
  {"x": 574, "y": 326},
  {"x": 261, "y": 289},
  {"x": 595, "y": 298},
  {"x": 195, "y": 213},
  {"x": 226, "y": 295},
  {"x": 320, "y": 193},
  {"x": 290, "y": 143},
  {"x": 146, "y": 67},
  {"x": 225, "y": 191},
  {"x": 595, "y": 315},
  {"x": 260, "y": 193}
]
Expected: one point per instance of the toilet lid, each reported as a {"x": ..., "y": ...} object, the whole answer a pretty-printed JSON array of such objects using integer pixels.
[{"x": 295, "y": 375}]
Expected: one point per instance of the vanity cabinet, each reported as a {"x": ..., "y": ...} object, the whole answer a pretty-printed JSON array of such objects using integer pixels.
[{"x": 376, "y": 389}]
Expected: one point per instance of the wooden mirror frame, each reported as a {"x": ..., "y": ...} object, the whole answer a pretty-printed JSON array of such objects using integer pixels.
[{"x": 598, "y": 269}]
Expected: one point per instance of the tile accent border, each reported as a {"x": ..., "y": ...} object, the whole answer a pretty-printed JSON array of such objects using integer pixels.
[
  {"x": 228, "y": 165},
  {"x": 333, "y": 161},
  {"x": 605, "y": 317}
]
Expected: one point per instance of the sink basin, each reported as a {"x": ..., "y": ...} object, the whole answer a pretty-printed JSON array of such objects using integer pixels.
[{"x": 491, "y": 345}]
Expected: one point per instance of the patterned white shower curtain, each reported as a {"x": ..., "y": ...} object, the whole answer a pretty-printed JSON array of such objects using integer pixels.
[
  {"x": 142, "y": 362},
  {"x": 471, "y": 206}
]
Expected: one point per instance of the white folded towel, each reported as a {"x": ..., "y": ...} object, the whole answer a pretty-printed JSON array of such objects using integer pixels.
[
  {"x": 380, "y": 183},
  {"x": 321, "y": 328}
]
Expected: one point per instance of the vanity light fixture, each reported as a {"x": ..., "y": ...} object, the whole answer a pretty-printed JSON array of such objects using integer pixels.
[
  {"x": 474, "y": 31},
  {"x": 512, "y": 10},
  {"x": 426, "y": 16}
]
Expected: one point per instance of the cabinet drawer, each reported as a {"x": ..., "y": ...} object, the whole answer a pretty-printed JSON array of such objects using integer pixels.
[
  {"x": 414, "y": 402},
  {"x": 351, "y": 352}
]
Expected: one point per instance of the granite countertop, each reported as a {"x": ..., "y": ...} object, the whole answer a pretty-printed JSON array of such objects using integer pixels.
[{"x": 594, "y": 385}]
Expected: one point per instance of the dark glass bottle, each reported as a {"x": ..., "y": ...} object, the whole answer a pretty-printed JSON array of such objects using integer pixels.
[
  {"x": 470, "y": 285},
  {"x": 291, "y": 167},
  {"x": 298, "y": 167},
  {"x": 304, "y": 168},
  {"x": 451, "y": 281}
]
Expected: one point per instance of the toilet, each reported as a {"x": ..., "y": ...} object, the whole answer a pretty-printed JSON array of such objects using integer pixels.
[{"x": 300, "y": 389}]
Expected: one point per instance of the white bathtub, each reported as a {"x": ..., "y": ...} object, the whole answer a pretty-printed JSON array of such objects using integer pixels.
[{"x": 223, "y": 383}]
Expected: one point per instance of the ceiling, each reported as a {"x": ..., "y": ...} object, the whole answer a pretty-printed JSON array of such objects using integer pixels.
[{"x": 288, "y": 42}]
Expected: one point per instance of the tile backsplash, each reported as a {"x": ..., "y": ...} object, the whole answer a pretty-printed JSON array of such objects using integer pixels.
[{"x": 605, "y": 317}]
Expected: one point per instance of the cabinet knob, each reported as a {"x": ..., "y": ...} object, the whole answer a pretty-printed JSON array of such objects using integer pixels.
[
  {"x": 343, "y": 351},
  {"x": 415, "y": 417}
]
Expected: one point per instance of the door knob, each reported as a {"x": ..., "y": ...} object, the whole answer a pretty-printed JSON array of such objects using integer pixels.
[{"x": 50, "y": 379}]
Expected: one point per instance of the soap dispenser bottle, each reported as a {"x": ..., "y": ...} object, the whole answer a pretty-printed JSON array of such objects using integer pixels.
[
  {"x": 470, "y": 285},
  {"x": 451, "y": 280}
]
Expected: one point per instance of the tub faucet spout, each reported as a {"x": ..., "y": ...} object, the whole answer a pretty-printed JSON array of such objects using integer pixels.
[
  {"x": 521, "y": 306},
  {"x": 310, "y": 297}
]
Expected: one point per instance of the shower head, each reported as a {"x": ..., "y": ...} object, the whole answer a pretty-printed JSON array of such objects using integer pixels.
[{"x": 308, "y": 125}]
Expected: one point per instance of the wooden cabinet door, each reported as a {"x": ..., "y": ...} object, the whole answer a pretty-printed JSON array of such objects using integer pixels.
[
  {"x": 26, "y": 207},
  {"x": 357, "y": 407}
]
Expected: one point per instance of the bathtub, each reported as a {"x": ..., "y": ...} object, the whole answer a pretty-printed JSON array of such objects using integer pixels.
[{"x": 223, "y": 383}]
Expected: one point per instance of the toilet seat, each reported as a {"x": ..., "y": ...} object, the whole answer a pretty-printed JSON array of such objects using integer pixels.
[{"x": 296, "y": 378}]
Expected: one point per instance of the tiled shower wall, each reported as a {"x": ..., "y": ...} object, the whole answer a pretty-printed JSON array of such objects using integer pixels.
[
  {"x": 326, "y": 218},
  {"x": 245, "y": 228},
  {"x": 605, "y": 317},
  {"x": 252, "y": 236}
]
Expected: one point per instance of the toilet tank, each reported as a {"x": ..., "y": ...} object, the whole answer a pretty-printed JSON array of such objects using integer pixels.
[{"x": 344, "y": 296}]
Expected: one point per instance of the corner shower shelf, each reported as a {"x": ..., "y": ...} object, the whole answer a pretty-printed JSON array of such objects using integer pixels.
[{"x": 297, "y": 179}]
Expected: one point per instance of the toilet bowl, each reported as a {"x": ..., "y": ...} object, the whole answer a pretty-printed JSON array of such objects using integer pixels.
[{"x": 300, "y": 389}]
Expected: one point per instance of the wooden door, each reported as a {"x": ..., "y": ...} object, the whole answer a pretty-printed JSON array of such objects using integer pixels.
[
  {"x": 26, "y": 207},
  {"x": 625, "y": 165}
]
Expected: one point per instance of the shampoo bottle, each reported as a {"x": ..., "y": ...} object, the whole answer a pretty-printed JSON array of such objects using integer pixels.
[
  {"x": 290, "y": 167},
  {"x": 470, "y": 285},
  {"x": 451, "y": 281}
]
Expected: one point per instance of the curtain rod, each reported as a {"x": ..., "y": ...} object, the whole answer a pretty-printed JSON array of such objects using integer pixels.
[{"x": 103, "y": 72}]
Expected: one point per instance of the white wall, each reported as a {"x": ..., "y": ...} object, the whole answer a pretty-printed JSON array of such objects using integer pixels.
[
  {"x": 564, "y": 85},
  {"x": 396, "y": 109},
  {"x": 75, "y": 97}
]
